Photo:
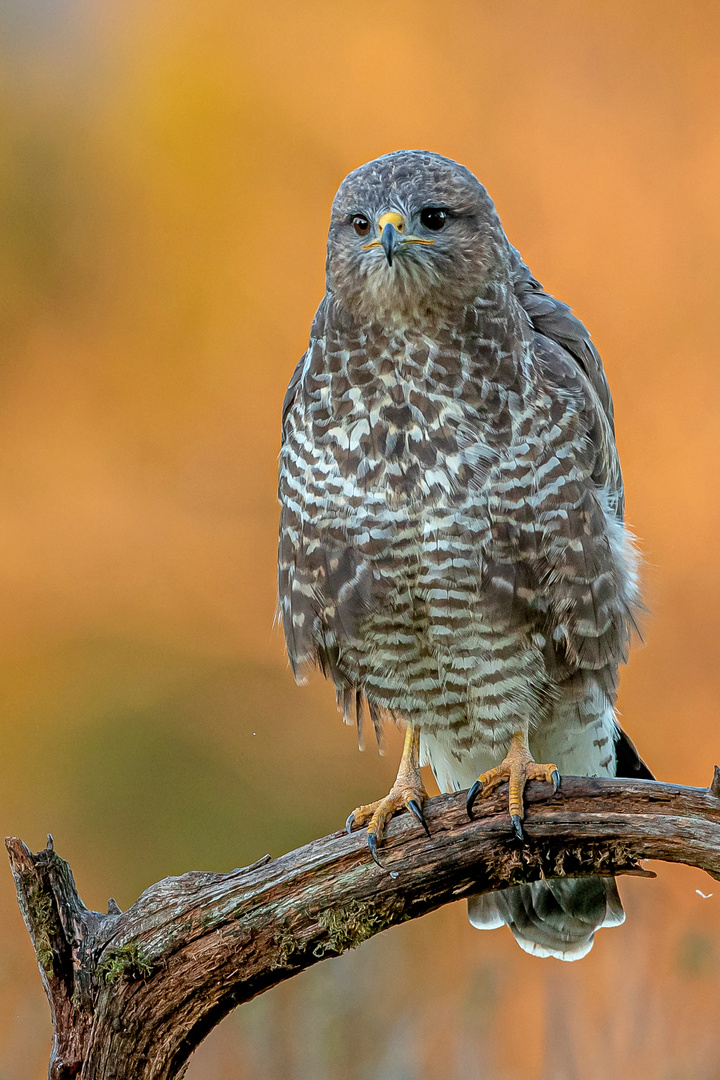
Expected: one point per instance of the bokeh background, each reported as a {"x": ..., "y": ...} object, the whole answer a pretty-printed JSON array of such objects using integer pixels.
[{"x": 166, "y": 171}]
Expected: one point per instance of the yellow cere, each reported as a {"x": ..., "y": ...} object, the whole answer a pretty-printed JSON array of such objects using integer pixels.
[{"x": 391, "y": 218}]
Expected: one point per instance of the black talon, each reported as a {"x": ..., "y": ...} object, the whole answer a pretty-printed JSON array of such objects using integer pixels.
[
  {"x": 372, "y": 844},
  {"x": 471, "y": 797},
  {"x": 350, "y": 821},
  {"x": 517, "y": 826},
  {"x": 416, "y": 808},
  {"x": 555, "y": 777}
]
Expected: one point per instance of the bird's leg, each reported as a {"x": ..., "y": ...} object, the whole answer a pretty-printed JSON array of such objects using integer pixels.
[
  {"x": 406, "y": 793},
  {"x": 517, "y": 768}
]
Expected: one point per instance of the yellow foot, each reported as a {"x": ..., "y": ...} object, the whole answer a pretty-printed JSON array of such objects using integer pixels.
[
  {"x": 517, "y": 768},
  {"x": 404, "y": 795}
]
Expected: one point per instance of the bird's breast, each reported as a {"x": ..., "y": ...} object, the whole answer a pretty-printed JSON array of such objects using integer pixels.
[{"x": 407, "y": 425}]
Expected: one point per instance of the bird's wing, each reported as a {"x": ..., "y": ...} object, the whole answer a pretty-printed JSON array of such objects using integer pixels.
[
  {"x": 573, "y": 571},
  {"x": 323, "y": 583},
  {"x": 563, "y": 349},
  {"x": 568, "y": 378}
]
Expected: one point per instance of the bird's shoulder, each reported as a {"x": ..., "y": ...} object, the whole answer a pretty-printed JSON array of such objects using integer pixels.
[
  {"x": 317, "y": 335},
  {"x": 555, "y": 322}
]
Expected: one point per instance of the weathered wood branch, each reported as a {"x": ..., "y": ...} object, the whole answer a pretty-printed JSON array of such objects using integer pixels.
[{"x": 133, "y": 993}]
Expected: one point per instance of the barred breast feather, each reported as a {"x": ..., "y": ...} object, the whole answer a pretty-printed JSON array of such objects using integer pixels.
[{"x": 451, "y": 542}]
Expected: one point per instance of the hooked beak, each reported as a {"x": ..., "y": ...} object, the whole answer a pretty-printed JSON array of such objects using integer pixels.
[
  {"x": 391, "y": 227},
  {"x": 389, "y": 239}
]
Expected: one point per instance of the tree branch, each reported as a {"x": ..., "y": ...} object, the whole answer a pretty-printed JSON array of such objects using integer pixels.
[{"x": 132, "y": 994}]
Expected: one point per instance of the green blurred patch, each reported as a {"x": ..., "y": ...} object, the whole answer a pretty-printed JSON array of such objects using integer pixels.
[
  {"x": 148, "y": 785},
  {"x": 145, "y": 761},
  {"x": 696, "y": 954}
]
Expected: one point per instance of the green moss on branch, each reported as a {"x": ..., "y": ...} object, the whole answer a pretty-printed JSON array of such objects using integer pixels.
[
  {"x": 125, "y": 962},
  {"x": 40, "y": 906}
]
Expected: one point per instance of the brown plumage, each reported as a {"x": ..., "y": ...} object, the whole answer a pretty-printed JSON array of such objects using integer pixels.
[{"x": 452, "y": 547}]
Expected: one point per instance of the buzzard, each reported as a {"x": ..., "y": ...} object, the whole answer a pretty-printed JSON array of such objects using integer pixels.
[{"x": 452, "y": 550}]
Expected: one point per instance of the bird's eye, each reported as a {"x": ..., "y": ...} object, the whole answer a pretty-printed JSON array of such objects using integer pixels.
[
  {"x": 360, "y": 224},
  {"x": 432, "y": 218}
]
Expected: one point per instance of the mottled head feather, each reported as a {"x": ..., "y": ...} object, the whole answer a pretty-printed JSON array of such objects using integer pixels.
[{"x": 425, "y": 279}]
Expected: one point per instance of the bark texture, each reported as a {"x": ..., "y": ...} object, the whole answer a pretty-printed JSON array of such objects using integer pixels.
[{"x": 133, "y": 993}]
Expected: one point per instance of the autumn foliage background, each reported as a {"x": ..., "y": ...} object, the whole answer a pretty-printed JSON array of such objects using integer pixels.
[{"x": 166, "y": 172}]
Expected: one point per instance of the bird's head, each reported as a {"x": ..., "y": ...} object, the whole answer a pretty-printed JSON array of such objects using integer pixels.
[{"x": 413, "y": 235}]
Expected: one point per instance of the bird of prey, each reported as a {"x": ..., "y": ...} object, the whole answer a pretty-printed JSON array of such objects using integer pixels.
[{"x": 452, "y": 550}]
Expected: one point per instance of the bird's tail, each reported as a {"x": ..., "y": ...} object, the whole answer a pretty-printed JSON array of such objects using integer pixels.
[{"x": 557, "y": 917}]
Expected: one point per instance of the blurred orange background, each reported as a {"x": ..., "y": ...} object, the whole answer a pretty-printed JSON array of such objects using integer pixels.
[{"x": 166, "y": 173}]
